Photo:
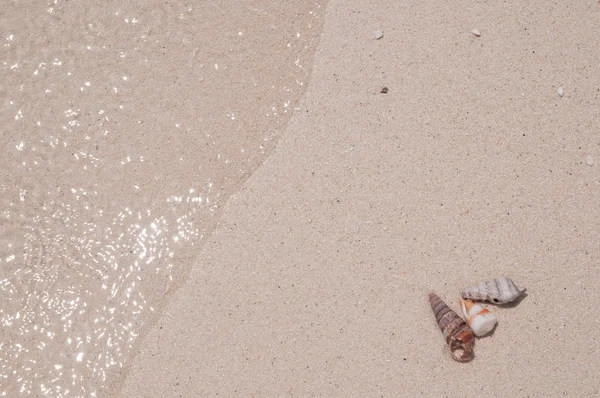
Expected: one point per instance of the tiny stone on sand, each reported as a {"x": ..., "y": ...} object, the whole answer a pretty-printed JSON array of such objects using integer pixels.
[
  {"x": 560, "y": 91},
  {"x": 476, "y": 32},
  {"x": 590, "y": 160},
  {"x": 378, "y": 34}
]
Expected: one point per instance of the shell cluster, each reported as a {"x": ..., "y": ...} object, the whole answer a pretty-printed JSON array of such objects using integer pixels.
[{"x": 480, "y": 321}]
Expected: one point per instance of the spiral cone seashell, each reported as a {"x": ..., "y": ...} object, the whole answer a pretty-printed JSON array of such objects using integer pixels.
[
  {"x": 457, "y": 333},
  {"x": 498, "y": 291},
  {"x": 480, "y": 319}
]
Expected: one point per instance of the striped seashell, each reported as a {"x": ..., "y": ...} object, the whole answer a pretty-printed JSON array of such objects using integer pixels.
[
  {"x": 457, "y": 333},
  {"x": 498, "y": 291},
  {"x": 480, "y": 320}
]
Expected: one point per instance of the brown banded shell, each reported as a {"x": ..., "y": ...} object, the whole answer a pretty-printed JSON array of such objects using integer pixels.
[
  {"x": 456, "y": 331},
  {"x": 498, "y": 291}
]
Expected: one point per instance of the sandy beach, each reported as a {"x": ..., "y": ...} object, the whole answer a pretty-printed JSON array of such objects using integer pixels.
[
  {"x": 310, "y": 275},
  {"x": 470, "y": 167}
]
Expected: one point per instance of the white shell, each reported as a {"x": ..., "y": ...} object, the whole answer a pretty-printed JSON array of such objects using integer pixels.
[
  {"x": 498, "y": 291},
  {"x": 480, "y": 320},
  {"x": 476, "y": 32},
  {"x": 590, "y": 160},
  {"x": 560, "y": 91},
  {"x": 378, "y": 34}
]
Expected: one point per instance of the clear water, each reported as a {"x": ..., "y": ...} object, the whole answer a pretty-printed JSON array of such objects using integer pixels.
[{"x": 125, "y": 127}]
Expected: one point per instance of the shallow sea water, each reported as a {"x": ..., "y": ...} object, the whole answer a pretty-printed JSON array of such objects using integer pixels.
[{"x": 125, "y": 127}]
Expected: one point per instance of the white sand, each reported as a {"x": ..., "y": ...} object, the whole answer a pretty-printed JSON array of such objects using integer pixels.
[{"x": 315, "y": 282}]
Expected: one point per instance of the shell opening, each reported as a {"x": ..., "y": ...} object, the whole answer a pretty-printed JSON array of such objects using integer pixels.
[{"x": 461, "y": 352}]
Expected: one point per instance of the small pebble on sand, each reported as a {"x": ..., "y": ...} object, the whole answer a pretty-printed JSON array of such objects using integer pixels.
[
  {"x": 590, "y": 160},
  {"x": 560, "y": 91},
  {"x": 476, "y": 32},
  {"x": 378, "y": 34}
]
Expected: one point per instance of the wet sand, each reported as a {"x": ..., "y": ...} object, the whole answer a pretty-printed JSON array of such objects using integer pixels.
[
  {"x": 125, "y": 129},
  {"x": 472, "y": 166}
]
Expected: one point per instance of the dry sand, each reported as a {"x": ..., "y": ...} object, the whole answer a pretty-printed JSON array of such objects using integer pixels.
[{"x": 472, "y": 166}]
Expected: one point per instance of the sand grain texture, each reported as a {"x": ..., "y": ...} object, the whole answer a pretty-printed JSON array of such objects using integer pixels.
[{"x": 315, "y": 282}]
